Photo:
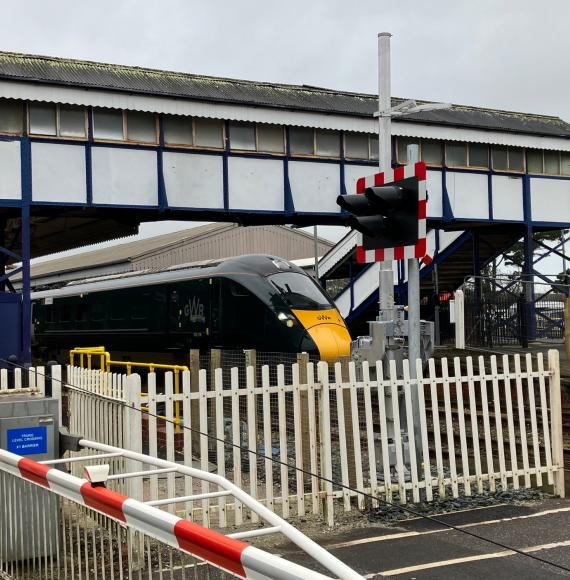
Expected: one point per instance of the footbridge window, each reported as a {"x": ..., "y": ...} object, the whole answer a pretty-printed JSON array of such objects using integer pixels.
[
  {"x": 141, "y": 127},
  {"x": 314, "y": 142},
  {"x": 431, "y": 150},
  {"x": 478, "y": 155},
  {"x": 548, "y": 162},
  {"x": 180, "y": 131},
  {"x": 11, "y": 117},
  {"x": 131, "y": 126},
  {"x": 51, "y": 120},
  {"x": 471, "y": 155},
  {"x": 257, "y": 137},
  {"x": 565, "y": 163},
  {"x": 356, "y": 146},
  {"x": 209, "y": 133},
  {"x": 507, "y": 159},
  {"x": 456, "y": 154}
]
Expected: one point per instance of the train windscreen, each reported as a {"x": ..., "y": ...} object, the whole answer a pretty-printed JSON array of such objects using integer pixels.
[{"x": 299, "y": 290}]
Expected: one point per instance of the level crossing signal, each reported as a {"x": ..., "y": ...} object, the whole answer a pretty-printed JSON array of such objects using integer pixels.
[{"x": 390, "y": 214}]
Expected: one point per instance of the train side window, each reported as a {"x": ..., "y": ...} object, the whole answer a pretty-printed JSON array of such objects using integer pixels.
[
  {"x": 65, "y": 313},
  {"x": 238, "y": 290},
  {"x": 81, "y": 312},
  {"x": 117, "y": 311},
  {"x": 48, "y": 316},
  {"x": 138, "y": 312},
  {"x": 98, "y": 312}
]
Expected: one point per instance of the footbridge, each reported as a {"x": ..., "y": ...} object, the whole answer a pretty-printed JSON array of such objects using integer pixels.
[{"x": 88, "y": 151}]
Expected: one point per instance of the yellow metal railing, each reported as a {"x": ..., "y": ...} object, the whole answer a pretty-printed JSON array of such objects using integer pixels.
[{"x": 86, "y": 354}]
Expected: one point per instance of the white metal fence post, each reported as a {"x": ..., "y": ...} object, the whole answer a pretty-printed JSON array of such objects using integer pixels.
[
  {"x": 326, "y": 452},
  {"x": 56, "y": 390},
  {"x": 556, "y": 421},
  {"x": 133, "y": 432},
  {"x": 459, "y": 306}
]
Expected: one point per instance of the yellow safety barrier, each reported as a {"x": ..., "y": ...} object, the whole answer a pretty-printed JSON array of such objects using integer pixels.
[{"x": 87, "y": 353}]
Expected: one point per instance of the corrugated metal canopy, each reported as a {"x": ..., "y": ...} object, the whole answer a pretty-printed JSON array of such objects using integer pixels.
[
  {"x": 129, "y": 250},
  {"x": 128, "y": 79},
  {"x": 55, "y": 233}
]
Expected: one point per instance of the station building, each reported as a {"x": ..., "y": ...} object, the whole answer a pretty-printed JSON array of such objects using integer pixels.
[{"x": 196, "y": 246}]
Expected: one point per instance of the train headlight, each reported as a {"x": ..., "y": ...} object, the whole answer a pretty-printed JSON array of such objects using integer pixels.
[{"x": 287, "y": 319}]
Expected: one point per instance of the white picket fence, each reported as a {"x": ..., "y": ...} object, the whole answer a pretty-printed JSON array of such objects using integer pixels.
[
  {"x": 483, "y": 427},
  {"x": 31, "y": 379}
]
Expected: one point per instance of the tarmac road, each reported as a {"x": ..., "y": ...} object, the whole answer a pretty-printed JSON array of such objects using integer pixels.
[{"x": 420, "y": 549}]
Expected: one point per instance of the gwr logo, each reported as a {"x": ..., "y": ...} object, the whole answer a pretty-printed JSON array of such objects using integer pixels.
[
  {"x": 323, "y": 317},
  {"x": 194, "y": 310}
]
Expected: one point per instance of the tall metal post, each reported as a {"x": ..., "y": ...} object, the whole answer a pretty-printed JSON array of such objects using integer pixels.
[
  {"x": 413, "y": 291},
  {"x": 528, "y": 281},
  {"x": 414, "y": 327},
  {"x": 316, "y": 241},
  {"x": 386, "y": 277},
  {"x": 2, "y": 256},
  {"x": 436, "y": 309},
  {"x": 26, "y": 288}
]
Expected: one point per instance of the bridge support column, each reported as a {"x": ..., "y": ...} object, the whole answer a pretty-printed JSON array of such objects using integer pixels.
[
  {"x": 528, "y": 280},
  {"x": 26, "y": 288},
  {"x": 3, "y": 256},
  {"x": 478, "y": 288}
]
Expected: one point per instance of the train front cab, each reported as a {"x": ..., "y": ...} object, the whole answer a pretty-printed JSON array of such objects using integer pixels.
[
  {"x": 327, "y": 330},
  {"x": 324, "y": 329}
]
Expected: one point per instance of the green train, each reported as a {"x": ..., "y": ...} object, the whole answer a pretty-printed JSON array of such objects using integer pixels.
[{"x": 257, "y": 301}]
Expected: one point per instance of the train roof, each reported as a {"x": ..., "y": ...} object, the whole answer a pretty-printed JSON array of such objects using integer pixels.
[{"x": 254, "y": 264}]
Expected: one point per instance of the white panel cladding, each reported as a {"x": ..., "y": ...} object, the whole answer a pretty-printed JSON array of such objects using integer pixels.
[
  {"x": 550, "y": 200},
  {"x": 434, "y": 196},
  {"x": 58, "y": 173},
  {"x": 508, "y": 198},
  {"x": 315, "y": 186},
  {"x": 124, "y": 176},
  {"x": 256, "y": 184},
  {"x": 353, "y": 172},
  {"x": 10, "y": 170},
  {"x": 194, "y": 180},
  {"x": 431, "y": 242},
  {"x": 468, "y": 195}
]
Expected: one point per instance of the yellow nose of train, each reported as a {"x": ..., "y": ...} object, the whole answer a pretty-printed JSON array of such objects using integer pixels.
[{"x": 328, "y": 331}]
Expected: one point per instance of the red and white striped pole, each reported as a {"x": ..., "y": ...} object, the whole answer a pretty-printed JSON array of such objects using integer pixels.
[{"x": 226, "y": 553}]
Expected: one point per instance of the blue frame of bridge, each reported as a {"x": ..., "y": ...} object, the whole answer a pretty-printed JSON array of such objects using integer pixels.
[{"x": 165, "y": 211}]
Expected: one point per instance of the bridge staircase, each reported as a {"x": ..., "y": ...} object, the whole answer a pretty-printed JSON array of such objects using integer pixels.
[{"x": 454, "y": 255}]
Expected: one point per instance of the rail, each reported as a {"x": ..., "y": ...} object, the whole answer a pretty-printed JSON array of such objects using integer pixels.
[{"x": 87, "y": 353}]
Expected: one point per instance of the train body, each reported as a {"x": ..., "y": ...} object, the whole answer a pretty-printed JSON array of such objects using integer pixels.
[{"x": 259, "y": 302}]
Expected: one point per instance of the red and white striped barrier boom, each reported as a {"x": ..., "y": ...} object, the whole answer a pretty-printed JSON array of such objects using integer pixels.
[{"x": 227, "y": 553}]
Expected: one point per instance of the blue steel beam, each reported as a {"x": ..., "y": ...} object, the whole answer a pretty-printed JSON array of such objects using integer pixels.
[
  {"x": 551, "y": 250},
  {"x": 528, "y": 277},
  {"x": 26, "y": 288}
]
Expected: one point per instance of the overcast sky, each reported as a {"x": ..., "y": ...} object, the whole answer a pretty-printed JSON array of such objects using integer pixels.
[{"x": 507, "y": 54}]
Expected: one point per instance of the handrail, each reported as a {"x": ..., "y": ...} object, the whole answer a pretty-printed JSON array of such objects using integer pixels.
[
  {"x": 223, "y": 551},
  {"x": 105, "y": 364},
  {"x": 310, "y": 547}
]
